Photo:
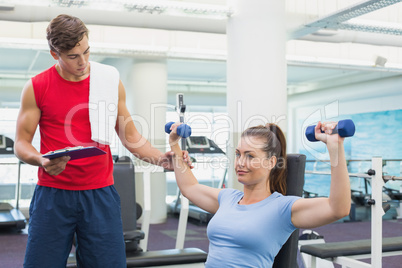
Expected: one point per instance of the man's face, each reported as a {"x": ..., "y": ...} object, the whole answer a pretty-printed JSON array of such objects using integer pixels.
[{"x": 73, "y": 64}]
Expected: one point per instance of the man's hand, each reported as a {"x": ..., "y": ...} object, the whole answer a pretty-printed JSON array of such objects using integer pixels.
[
  {"x": 167, "y": 160},
  {"x": 55, "y": 166}
]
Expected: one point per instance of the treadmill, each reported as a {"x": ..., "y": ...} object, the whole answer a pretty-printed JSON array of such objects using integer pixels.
[
  {"x": 200, "y": 145},
  {"x": 11, "y": 217}
]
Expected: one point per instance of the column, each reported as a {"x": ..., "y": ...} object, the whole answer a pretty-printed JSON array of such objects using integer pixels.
[
  {"x": 146, "y": 100},
  {"x": 256, "y": 69}
]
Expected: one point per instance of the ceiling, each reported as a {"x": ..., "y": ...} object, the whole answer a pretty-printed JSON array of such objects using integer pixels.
[{"x": 329, "y": 46}]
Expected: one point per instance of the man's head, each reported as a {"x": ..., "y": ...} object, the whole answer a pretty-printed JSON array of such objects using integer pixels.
[{"x": 65, "y": 32}]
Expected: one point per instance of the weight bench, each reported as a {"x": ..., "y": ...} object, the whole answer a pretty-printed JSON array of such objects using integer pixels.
[
  {"x": 345, "y": 252},
  {"x": 187, "y": 257},
  {"x": 296, "y": 165}
]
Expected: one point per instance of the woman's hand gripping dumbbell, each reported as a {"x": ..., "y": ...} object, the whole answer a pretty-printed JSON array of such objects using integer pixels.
[
  {"x": 183, "y": 130},
  {"x": 345, "y": 128}
]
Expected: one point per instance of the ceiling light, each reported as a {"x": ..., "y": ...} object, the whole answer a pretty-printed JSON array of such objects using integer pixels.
[
  {"x": 179, "y": 8},
  {"x": 173, "y": 8},
  {"x": 5, "y": 7},
  {"x": 370, "y": 28},
  {"x": 70, "y": 3},
  {"x": 334, "y": 20}
]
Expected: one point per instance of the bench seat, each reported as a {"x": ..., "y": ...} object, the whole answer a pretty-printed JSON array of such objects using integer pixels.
[
  {"x": 166, "y": 257},
  {"x": 350, "y": 248}
]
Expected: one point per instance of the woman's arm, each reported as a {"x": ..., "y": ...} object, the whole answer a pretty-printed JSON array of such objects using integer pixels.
[
  {"x": 202, "y": 196},
  {"x": 314, "y": 212}
]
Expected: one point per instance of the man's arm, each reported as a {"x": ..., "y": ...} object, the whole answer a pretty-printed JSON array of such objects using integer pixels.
[
  {"x": 27, "y": 122},
  {"x": 130, "y": 137}
]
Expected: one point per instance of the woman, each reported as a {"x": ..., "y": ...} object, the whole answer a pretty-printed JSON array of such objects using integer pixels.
[{"x": 250, "y": 227}]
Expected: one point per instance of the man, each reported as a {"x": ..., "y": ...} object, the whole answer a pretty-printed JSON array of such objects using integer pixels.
[{"x": 73, "y": 196}]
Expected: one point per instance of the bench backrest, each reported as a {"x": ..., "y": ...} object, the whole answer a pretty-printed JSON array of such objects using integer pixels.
[{"x": 296, "y": 163}]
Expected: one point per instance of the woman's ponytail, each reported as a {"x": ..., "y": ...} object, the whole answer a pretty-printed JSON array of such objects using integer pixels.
[{"x": 279, "y": 172}]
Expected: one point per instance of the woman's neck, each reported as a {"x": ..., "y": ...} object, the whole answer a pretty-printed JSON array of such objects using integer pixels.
[{"x": 254, "y": 195}]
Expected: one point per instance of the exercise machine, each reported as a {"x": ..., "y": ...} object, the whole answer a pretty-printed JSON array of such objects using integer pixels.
[
  {"x": 348, "y": 253},
  {"x": 10, "y": 216},
  {"x": 124, "y": 182},
  {"x": 296, "y": 164}
]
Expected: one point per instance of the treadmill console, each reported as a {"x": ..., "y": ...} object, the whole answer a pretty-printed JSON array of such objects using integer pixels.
[
  {"x": 202, "y": 145},
  {"x": 198, "y": 142}
]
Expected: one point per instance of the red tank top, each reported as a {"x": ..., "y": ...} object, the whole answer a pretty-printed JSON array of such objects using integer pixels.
[{"x": 64, "y": 123}]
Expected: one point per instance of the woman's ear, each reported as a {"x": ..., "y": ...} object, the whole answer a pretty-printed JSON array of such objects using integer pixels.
[{"x": 272, "y": 162}]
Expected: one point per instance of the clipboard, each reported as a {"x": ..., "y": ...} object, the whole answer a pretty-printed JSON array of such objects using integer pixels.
[{"x": 75, "y": 152}]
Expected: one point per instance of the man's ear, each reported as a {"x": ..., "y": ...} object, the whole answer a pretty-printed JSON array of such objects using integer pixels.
[{"x": 54, "y": 55}]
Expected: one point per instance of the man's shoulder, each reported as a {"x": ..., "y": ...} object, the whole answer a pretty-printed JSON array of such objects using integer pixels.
[{"x": 44, "y": 73}]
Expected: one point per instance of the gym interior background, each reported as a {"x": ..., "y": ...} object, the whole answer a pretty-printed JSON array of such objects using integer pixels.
[{"x": 343, "y": 60}]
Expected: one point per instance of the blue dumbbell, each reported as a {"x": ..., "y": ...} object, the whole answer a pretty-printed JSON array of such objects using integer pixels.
[
  {"x": 345, "y": 128},
  {"x": 183, "y": 130}
]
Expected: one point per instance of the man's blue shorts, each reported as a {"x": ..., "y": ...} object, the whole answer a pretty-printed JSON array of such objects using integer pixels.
[{"x": 56, "y": 215}]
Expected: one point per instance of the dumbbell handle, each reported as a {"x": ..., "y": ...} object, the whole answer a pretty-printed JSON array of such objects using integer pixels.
[
  {"x": 345, "y": 128},
  {"x": 183, "y": 130}
]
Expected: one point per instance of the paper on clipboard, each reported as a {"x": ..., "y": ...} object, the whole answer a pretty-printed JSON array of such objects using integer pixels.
[{"x": 75, "y": 152}]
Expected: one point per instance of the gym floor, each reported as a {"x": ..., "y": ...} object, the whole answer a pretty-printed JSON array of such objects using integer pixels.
[{"x": 163, "y": 236}]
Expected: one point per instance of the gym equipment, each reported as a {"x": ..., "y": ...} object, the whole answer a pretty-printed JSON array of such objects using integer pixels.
[
  {"x": 124, "y": 182},
  {"x": 183, "y": 131},
  {"x": 348, "y": 253},
  {"x": 296, "y": 163},
  {"x": 360, "y": 197},
  {"x": 181, "y": 229},
  {"x": 345, "y": 128},
  {"x": 10, "y": 216},
  {"x": 181, "y": 108},
  {"x": 188, "y": 257}
]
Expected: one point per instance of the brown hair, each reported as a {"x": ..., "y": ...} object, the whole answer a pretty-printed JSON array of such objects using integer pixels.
[
  {"x": 275, "y": 145},
  {"x": 65, "y": 32}
]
